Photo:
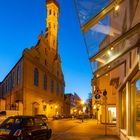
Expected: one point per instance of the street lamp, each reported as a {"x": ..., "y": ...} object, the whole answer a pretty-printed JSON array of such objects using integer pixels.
[{"x": 82, "y": 102}]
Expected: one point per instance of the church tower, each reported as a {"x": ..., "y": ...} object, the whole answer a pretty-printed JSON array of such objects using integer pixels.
[{"x": 52, "y": 23}]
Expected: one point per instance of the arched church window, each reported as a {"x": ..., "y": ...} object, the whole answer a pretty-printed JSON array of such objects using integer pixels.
[
  {"x": 18, "y": 74},
  {"x": 52, "y": 86},
  {"x": 57, "y": 88},
  {"x": 36, "y": 77},
  {"x": 45, "y": 82}
]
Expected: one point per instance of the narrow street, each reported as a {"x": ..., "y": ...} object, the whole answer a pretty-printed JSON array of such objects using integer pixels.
[{"x": 69, "y": 129}]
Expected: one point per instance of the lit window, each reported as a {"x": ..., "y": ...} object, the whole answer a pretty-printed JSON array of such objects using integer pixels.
[
  {"x": 18, "y": 74},
  {"x": 36, "y": 77},
  {"x": 45, "y": 82}
]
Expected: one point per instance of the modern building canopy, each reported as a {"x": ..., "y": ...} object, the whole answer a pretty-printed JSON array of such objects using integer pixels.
[{"x": 103, "y": 34}]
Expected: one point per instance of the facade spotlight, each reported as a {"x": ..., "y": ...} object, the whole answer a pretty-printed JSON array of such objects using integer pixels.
[
  {"x": 109, "y": 53},
  {"x": 117, "y": 7},
  {"x": 56, "y": 106}
]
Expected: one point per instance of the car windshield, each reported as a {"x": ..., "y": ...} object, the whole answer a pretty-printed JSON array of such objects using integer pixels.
[{"x": 12, "y": 121}]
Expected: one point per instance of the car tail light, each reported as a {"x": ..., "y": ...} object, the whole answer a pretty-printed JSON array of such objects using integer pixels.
[{"x": 18, "y": 133}]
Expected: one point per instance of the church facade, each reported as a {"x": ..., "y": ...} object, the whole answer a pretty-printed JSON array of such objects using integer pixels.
[{"x": 36, "y": 83}]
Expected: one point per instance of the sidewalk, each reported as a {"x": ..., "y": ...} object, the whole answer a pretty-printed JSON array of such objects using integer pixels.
[
  {"x": 86, "y": 130},
  {"x": 97, "y": 131}
]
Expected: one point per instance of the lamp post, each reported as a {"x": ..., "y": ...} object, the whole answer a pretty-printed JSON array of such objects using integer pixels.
[
  {"x": 105, "y": 94},
  {"x": 98, "y": 100},
  {"x": 56, "y": 113},
  {"x": 82, "y": 103}
]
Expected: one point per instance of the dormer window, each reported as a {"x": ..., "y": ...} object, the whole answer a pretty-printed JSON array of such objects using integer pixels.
[{"x": 36, "y": 77}]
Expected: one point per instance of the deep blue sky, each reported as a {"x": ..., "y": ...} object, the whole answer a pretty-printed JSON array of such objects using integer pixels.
[{"x": 21, "y": 21}]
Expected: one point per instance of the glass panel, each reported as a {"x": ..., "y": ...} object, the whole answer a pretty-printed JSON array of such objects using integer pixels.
[
  {"x": 138, "y": 108},
  {"x": 116, "y": 51},
  {"x": 87, "y": 9},
  {"x": 96, "y": 35},
  {"x": 110, "y": 29}
]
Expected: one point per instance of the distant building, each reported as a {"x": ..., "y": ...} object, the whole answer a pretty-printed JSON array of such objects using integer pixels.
[
  {"x": 36, "y": 84},
  {"x": 72, "y": 104}
]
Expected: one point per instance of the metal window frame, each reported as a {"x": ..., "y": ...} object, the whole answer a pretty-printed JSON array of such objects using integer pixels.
[
  {"x": 95, "y": 19},
  {"x": 126, "y": 35},
  {"x": 120, "y": 57}
]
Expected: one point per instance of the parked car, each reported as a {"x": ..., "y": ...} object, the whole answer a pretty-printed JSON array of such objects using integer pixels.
[
  {"x": 56, "y": 117},
  {"x": 4, "y": 114},
  {"x": 24, "y": 128},
  {"x": 43, "y": 117}
]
